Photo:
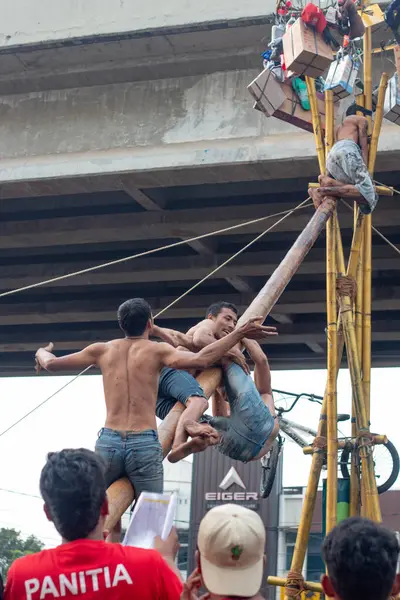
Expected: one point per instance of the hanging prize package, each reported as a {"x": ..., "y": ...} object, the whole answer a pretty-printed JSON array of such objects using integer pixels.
[
  {"x": 372, "y": 16},
  {"x": 331, "y": 16},
  {"x": 391, "y": 108},
  {"x": 305, "y": 51},
  {"x": 292, "y": 112},
  {"x": 342, "y": 76},
  {"x": 267, "y": 92}
]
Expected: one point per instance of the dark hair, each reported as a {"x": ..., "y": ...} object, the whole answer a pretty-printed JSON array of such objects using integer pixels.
[
  {"x": 217, "y": 307},
  {"x": 73, "y": 487},
  {"x": 133, "y": 316},
  {"x": 361, "y": 557}
]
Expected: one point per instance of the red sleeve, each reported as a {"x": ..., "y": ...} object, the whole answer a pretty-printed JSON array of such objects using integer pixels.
[
  {"x": 10, "y": 588},
  {"x": 170, "y": 586}
]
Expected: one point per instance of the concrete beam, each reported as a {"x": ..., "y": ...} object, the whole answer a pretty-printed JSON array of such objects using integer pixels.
[
  {"x": 87, "y": 310},
  {"x": 53, "y": 21},
  {"x": 188, "y": 268},
  {"x": 167, "y": 224},
  {"x": 67, "y": 340},
  {"x": 166, "y": 132}
]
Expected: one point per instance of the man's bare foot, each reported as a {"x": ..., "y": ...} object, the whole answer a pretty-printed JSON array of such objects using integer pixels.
[
  {"x": 343, "y": 191},
  {"x": 326, "y": 181},
  {"x": 194, "y": 429},
  {"x": 197, "y": 444}
]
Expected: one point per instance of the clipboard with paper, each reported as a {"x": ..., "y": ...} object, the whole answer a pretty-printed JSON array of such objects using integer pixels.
[{"x": 152, "y": 516}]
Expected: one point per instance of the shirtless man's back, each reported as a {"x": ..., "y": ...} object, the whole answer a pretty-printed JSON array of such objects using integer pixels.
[{"x": 131, "y": 368}]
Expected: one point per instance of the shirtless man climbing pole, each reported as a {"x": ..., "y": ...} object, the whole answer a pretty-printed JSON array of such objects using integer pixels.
[
  {"x": 347, "y": 166},
  {"x": 251, "y": 428},
  {"x": 131, "y": 369},
  {"x": 221, "y": 320},
  {"x": 243, "y": 411}
]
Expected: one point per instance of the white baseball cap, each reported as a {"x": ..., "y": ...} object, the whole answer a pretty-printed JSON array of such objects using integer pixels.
[{"x": 231, "y": 544}]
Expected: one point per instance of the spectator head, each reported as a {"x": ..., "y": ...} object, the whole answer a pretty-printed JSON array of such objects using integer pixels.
[
  {"x": 361, "y": 557},
  {"x": 73, "y": 487},
  {"x": 134, "y": 317},
  {"x": 231, "y": 557},
  {"x": 224, "y": 315}
]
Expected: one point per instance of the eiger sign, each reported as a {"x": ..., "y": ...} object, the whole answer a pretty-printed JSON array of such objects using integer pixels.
[{"x": 232, "y": 478}]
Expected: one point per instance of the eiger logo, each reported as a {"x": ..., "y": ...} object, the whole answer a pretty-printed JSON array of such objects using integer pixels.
[{"x": 230, "y": 478}]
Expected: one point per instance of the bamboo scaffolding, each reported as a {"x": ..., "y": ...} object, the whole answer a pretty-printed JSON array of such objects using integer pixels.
[
  {"x": 331, "y": 312},
  {"x": 294, "y": 582},
  {"x": 358, "y": 317}
]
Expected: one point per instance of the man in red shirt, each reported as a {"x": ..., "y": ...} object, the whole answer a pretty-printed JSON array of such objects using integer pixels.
[{"x": 73, "y": 487}]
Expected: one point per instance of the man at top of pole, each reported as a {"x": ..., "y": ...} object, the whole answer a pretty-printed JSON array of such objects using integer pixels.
[
  {"x": 347, "y": 166},
  {"x": 131, "y": 368},
  {"x": 243, "y": 427}
]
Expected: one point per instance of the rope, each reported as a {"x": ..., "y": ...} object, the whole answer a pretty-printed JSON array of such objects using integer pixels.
[
  {"x": 44, "y": 401},
  {"x": 285, "y": 213},
  {"x": 146, "y": 253},
  {"x": 320, "y": 442},
  {"x": 385, "y": 239},
  {"x": 346, "y": 286},
  {"x": 221, "y": 266},
  {"x": 294, "y": 585}
]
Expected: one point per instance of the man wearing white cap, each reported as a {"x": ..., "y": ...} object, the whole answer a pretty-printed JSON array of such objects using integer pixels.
[{"x": 230, "y": 556}]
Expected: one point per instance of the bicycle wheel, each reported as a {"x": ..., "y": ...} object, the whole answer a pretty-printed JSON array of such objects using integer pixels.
[
  {"x": 386, "y": 465},
  {"x": 268, "y": 471}
]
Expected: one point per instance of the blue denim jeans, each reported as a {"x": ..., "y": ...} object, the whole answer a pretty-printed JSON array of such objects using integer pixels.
[
  {"x": 136, "y": 455},
  {"x": 245, "y": 432},
  {"x": 175, "y": 386}
]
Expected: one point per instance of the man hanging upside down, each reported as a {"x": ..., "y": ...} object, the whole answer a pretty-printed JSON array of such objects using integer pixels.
[
  {"x": 347, "y": 166},
  {"x": 244, "y": 411},
  {"x": 250, "y": 430},
  {"x": 131, "y": 369}
]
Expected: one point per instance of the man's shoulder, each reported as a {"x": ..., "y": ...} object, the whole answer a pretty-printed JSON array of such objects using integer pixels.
[
  {"x": 31, "y": 561},
  {"x": 205, "y": 323}
]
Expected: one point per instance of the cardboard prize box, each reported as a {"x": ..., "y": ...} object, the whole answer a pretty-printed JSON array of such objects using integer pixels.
[
  {"x": 267, "y": 92},
  {"x": 372, "y": 16},
  {"x": 291, "y": 111},
  {"x": 341, "y": 77},
  {"x": 305, "y": 51},
  {"x": 391, "y": 107}
]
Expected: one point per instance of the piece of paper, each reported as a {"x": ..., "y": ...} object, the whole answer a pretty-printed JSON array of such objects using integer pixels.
[{"x": 152, "y": 516}]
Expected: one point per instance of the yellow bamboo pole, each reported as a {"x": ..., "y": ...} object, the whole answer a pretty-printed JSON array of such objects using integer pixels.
[
  {"x": 292, "y": 583},
  {"x": 358, "y": 317},
  {"x": 367, "y": 258},
  {"x": 367, "y": 60},
  {"x": 316, "y": 121},
  {"x": 331, "y": 311}
]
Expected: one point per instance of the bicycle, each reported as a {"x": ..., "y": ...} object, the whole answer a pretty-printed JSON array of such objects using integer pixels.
[{"x": 269, "y": 462}]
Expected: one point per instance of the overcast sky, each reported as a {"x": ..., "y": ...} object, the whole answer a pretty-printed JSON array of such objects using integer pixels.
[{"x": 73, "y": 418}]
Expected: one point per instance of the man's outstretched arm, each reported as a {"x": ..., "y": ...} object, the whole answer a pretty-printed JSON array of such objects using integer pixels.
[
  {"x": 215, "y": 351},
  {"x": 173, "y": 337},
  {"x": 72, "y": 362},
  {"x": 262, "y": 373}
]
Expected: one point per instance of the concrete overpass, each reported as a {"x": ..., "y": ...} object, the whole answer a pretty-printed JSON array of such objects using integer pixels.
[{"x": 125, "y": 127}]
